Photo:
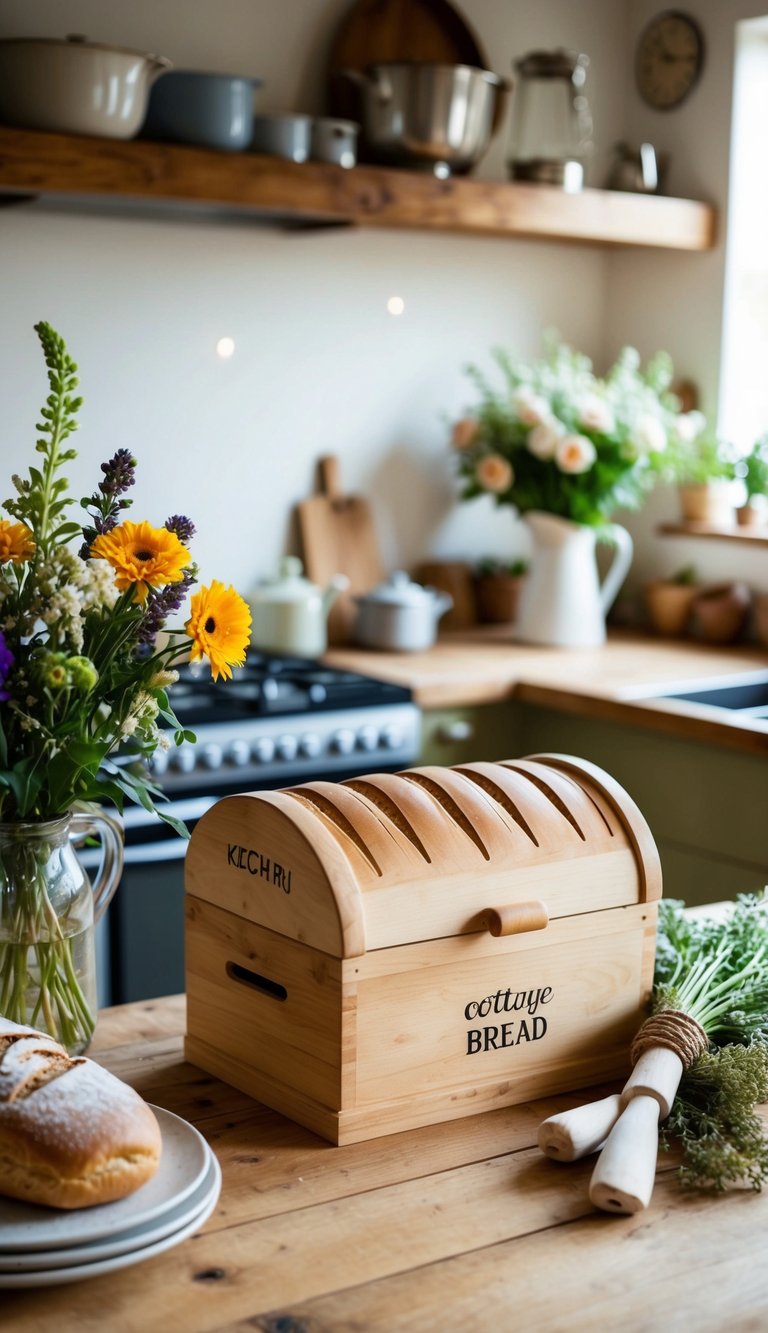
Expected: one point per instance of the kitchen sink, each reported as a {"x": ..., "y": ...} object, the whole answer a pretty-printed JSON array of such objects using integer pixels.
[{"x": 746, "y": 697}]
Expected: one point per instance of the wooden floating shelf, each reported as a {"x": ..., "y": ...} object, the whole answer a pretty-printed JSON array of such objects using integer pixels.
[
  {"x": 750, "y": 536},
  {"x": 87, "y": 171}
]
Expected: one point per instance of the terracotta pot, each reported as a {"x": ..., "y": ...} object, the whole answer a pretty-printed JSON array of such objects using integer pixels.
[
  {"x": 497, "y": 597},
  {"x": 668, "y": 605},
  {"x": 707, "y": 502},
  {"x": 720, "y": 613},
  {"x": 750, "y": 516}
]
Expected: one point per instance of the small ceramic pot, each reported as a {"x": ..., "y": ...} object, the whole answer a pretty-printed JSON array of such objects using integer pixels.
[
  {"x": 751, "y": 516},
  {"x": 400, "y": 616},
  {"x": 719, "y": 613},
  {"x": 668, "y": 606},
  {"x": 497, "y": 597},
  {"x": 707, "y": 502},
  {"x": 212, "y": 110},
  {"x": 334, "y": 141},
  {"x": 282, "y": 136}
]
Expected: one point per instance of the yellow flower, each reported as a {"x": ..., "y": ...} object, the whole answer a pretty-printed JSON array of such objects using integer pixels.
[
  {"x": 220, "y": 627},
  {"x": 142, "y": 556},
  {"x": 16, "y": 542}
]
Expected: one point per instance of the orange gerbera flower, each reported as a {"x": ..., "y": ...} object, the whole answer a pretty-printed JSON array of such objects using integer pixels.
[
  {"x": 16, "y": 542},
  {"x": 220, "y": 628},
  {"x": 142, "y": 556}
]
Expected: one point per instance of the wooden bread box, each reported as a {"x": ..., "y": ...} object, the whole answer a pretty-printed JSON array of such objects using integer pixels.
[{"x": 400, "y": 949}]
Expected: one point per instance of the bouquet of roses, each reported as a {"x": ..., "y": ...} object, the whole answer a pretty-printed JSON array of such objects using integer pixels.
[
  {"x": 86, "y": 659},
  {"x": 556, "y": 438}
]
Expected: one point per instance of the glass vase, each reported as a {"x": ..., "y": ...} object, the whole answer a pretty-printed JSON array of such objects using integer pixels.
[{"x": 48, "y": 911}]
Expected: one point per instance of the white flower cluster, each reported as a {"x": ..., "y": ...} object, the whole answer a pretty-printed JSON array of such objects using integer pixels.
[
  {"x": 550, "y": 438},
  {"x": 68, "y": 588}
]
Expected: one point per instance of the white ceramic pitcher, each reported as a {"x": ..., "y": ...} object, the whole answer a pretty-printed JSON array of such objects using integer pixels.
[{"x": 562, "y": 602}]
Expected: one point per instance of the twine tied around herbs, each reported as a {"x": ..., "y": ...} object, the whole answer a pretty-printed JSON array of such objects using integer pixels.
[{"x": 674, "y": 1030}]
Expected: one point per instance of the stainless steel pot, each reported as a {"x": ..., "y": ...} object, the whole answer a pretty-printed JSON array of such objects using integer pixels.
[
  {"x": 439, "y": 117},
  {"x": 75, "y": 86}
]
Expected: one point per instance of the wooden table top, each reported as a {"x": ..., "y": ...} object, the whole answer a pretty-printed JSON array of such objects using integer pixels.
[{"x": 463, "y": 1226}]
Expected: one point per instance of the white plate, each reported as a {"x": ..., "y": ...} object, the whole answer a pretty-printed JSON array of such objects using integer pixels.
[
  {"x": 133, "y": 1239},
  {"x": 184, "y": 1161},
  {"x": 50, "y": 1277}
]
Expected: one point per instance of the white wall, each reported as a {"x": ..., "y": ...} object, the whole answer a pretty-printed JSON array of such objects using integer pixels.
[
  {"x": 320, "y": 366},
  {"x": 658, "y": 299}
]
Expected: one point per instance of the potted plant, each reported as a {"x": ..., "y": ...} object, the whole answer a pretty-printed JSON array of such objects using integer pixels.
[
  {"x": 705, "y": 469},
  {"x": 668, "y": 602},
  {"x": 565, "y": 449},
  {"x": 497, "y": 589},
  {"x": 753, "y": 471}
]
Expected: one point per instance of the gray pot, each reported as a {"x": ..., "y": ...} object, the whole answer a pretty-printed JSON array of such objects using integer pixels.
[
  {"x": 440, "y": 117},
  {"x": 282, "y": 136},
  {"x": 400, "y": 616},
  {"x": 213, "y": 110},
  {"x": 334, "y": 141}
]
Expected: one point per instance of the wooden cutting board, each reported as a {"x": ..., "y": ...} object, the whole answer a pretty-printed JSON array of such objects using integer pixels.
[{"x": 339, "y": 537}]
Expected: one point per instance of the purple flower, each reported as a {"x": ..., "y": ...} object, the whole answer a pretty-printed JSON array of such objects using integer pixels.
[
  {"x": 119, "y": 473},
  {"x": 6, "y": 662},
  {"x": 162, "y": 604},
  {"x": 183, "y": 527}
]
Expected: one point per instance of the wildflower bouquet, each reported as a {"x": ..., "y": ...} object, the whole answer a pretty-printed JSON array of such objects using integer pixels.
[
  {"x": 556, "y": 438},
  {"x": 86, "y": 658}
]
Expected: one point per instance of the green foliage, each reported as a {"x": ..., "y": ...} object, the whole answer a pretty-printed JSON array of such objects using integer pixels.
[
  {"x": 706, "y": 459},
  {"x": 685, "y": 577},
  {"x": 492, "y": 567},
  {"x": 572, "y": 444},
  {"x": 717, "y": 971},
  {"x": 753, "y": 470}
]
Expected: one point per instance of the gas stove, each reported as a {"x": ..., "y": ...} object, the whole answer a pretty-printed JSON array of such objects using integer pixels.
[{"x": 281, "y": 720}]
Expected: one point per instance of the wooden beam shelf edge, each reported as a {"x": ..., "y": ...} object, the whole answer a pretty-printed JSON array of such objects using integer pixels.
[
  {"x": 91, "y": 170},
  {"x": 749, "y": 537}
]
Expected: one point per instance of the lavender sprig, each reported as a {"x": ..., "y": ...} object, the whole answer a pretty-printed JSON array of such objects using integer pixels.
[
  {"x": 6, "y": 664},
  {"x": 104, "y": 506},
  {"x": 162, "y": 604},
  {"x": 182, "y": 526}
]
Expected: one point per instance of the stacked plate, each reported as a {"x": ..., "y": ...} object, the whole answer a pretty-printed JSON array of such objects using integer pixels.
[{"x": 40, "y": 1247}]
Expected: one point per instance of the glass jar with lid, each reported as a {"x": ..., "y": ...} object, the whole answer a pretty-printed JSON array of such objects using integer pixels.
[{"x": 551, "y": 125}]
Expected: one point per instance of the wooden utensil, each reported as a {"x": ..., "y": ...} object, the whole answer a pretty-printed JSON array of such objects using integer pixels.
[
  {"x": 339, "y": 537},
  {"x": 378, "y": 31}
]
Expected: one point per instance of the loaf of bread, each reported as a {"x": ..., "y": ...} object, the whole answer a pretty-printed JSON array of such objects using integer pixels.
[{"x": 71, "y": 1134}]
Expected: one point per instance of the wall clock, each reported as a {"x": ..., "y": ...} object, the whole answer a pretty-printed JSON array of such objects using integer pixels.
[{"x": 670, "y": 55}]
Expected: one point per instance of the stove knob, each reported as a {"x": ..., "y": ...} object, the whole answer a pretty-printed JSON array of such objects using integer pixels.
[
  {"x": 238, "y": 753},
  {"x": 391, "y": 738},
  {"x": 310, "y": 745},
  {"x": 343, "y": 742},
  {"x": 184, "y": 759},
  {"x": 212, "y": 755},
  {"x": 287, "y": 747},
  {"x": 367, "y": 738},
  {"x": 264, "y": 750}
]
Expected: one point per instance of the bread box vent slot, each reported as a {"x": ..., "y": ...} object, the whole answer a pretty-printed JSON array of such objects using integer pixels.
[
  {"x": 255, "y": 979},
  {"x": 551, "y": 795},
  {"x": 501, "y": 798},
  {"x": 392, "y": 811},
  {"x": 451, "y": 808}
]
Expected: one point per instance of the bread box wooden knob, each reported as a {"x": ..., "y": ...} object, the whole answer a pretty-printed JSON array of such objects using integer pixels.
[{"x": 515, "y": 918}]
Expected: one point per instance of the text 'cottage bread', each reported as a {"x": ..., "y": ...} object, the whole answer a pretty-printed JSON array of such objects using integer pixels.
[{"x": 71, "y": 1134}]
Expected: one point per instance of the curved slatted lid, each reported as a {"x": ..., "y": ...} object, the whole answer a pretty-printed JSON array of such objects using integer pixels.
[{"x": 422, "y": 854}]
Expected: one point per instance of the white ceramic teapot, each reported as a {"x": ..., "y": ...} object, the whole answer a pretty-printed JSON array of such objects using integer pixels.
[
  {"x": 290, "y": 614},
  {"x": 400, "y": 615}
]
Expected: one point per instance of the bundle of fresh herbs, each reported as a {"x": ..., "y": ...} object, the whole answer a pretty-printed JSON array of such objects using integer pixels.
[{"x": 711, "y": 976}]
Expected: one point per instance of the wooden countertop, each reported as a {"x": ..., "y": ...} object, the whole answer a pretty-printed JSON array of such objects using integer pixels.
[
  {"x": 463, "y": 1226},
  {"x": 486, "y": 666}
]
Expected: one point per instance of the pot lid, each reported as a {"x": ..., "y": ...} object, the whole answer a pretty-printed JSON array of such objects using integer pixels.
[
  {"x": 77, "y": 39},
  {"x": 288, "y": 584},
  {"x": 399, "y": 590},
  {"x": 557, "y": 64}
]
